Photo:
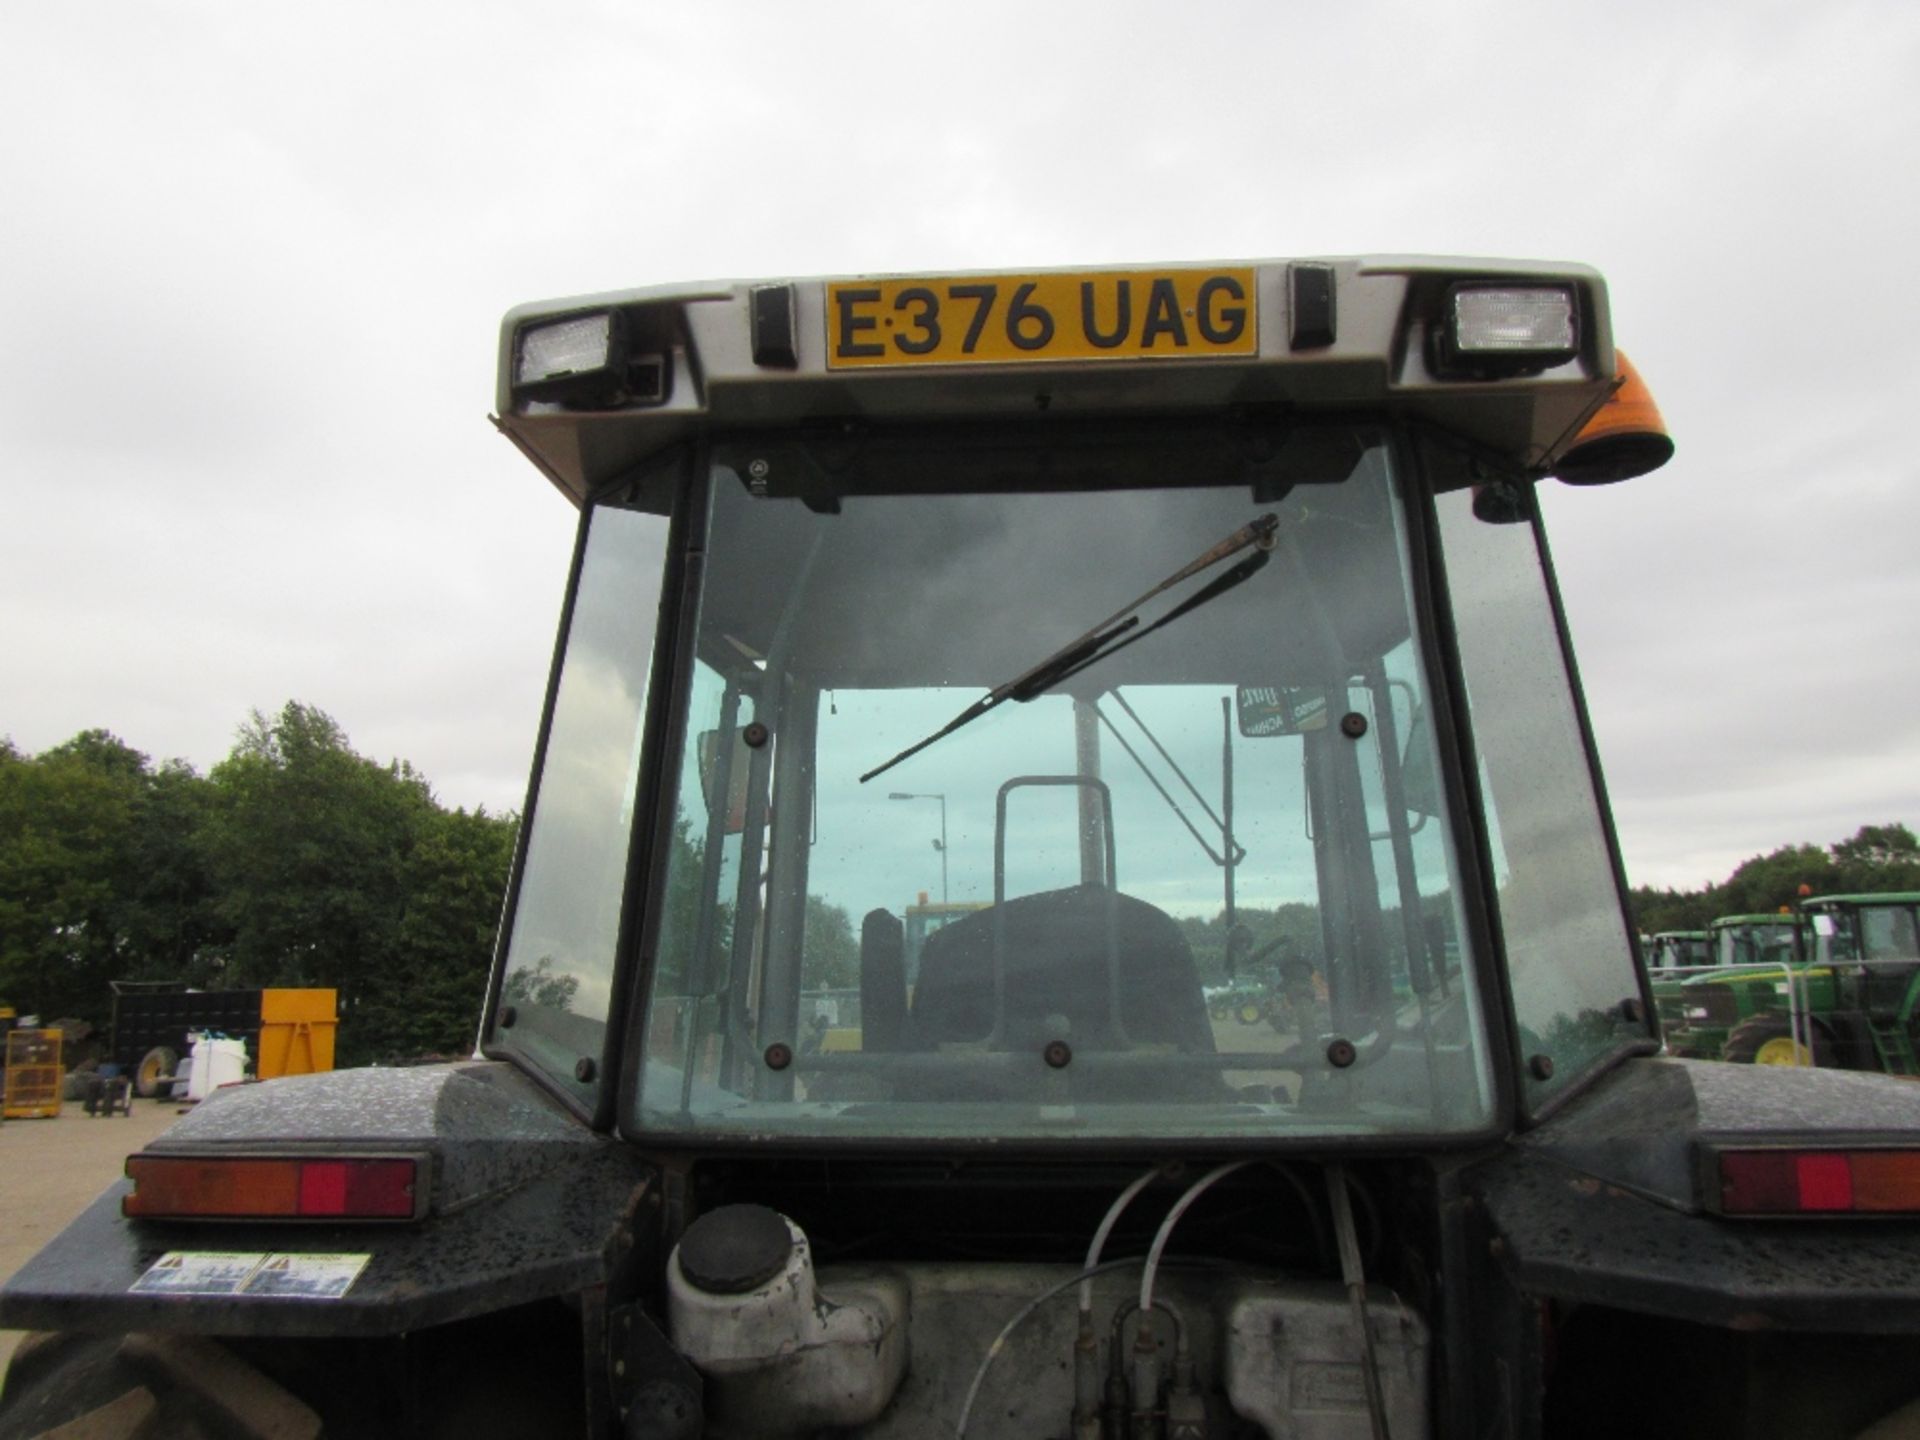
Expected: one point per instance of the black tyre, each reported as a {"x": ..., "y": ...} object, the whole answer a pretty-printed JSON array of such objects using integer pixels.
[
  {"x": 1902, "y": 1424},
  {"x": 1251, "y": 1012},
  {"x": 154, "y": 1075},
  {"x": 1767, "y": 1040},
  {"x": 131, "y": 1387}
]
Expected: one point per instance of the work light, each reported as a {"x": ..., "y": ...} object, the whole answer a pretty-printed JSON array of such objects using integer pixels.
[
  {"x": 1502, "y": 330},
  {"x": 580, "y": 359}
]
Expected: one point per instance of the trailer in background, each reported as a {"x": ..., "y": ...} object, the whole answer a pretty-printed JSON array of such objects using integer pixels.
[{"x": 286, "y": 1031}]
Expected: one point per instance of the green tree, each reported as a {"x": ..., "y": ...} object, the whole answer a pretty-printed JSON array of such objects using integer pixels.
[
  {"x": 1669, "y": 909},
  {"x": 1767, "y": 882},
  {"x": 1288, "y": 931},
  {"x": 830, "y": 953},
  {"x": 536, "y": 984},
  {"x": 171, "y": 924},
  {"x": 1878, "y": 858},
  {"x": 1875, "y": 859},
  {"x": 298, "y": 862},
  {"x": 334, "y": 870},
  {"x": 68, "y": 818},
  {"x": 454, "y": 877},
  {"x": 307, "y": 844}
]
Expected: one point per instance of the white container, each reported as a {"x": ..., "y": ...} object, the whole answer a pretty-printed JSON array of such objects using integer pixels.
[
  {"x": 215, "y": 1063},
  {"x": 784, "y": 1360}
]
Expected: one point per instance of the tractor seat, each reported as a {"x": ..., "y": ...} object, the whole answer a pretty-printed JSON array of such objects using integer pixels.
[{"x": 1060, "y": 945}]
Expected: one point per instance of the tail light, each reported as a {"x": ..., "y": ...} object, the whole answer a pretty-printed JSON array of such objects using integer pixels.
[
  {"x": 1819, "y": 1182},
  {"x": 257, "y": 1187}
]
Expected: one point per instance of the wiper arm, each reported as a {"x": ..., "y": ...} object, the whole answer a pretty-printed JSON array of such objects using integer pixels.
[{"x": 1106, "y": 637}]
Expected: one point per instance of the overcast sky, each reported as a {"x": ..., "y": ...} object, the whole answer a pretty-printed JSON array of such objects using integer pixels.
[{"x": 253, "y": 258}]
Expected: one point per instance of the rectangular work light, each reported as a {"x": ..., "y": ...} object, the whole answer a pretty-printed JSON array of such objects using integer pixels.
[
  {"x": 1509, "y": 329},
  {"x": 204, "y": 1187},
  {"x": 577, "y": 358}
]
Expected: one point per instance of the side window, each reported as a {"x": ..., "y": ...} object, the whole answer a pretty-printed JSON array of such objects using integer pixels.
[
  {"x": 1889, "y": 933},
  {"x": 559, "y": 968},
  {"x": 1568, "y": 949}
]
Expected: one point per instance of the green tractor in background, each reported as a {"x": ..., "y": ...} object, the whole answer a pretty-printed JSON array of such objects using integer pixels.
[
  {"x": 1835, "y": 986},
  {"x": 1672, "y": 957},
  {"x": 1746, "y": 962},
  {"x": 1678, "y": 950}
]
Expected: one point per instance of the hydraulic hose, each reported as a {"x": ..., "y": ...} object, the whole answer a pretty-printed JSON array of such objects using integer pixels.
[
  {"x": 1000, "y": 1340},
  {"x": 1180, "y": 1206},
  {"x": 1107, "y": 1222}
]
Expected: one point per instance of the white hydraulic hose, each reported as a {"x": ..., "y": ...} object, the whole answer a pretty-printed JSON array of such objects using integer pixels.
[
  {"x": 1194, "y": 1192},
  {"x": 1107, "y": 1222},
  {"x": 1000, "y": 1340}
]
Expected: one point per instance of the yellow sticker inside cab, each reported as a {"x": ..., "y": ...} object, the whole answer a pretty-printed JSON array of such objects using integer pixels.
[{"x": 1174, "y": 314}]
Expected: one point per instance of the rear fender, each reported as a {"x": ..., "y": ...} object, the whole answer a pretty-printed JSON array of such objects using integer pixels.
[
  {"x": 526, "y": 1205},
  {"x": 1603, "y": 1205}
]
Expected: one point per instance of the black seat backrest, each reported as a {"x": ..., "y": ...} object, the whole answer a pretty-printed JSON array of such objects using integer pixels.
[
  {"x": 1057, "y": 964},
  {"x": 883, "y": 981}
]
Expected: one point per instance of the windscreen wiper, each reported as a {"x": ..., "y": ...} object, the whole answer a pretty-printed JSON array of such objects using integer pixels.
[{"x": 1116, "y": 632}]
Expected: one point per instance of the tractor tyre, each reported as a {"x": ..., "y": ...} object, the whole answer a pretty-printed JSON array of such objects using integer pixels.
[
  {"x": 1250, "y": 1012},
  {"x": 153, "y": 1077},
  {"x": 1902, "y": 1424},
  {"x": 1218, "y": 1010},
  {"x": 1767, "y": 1040},
  {"x": 138, "y": 1386}
]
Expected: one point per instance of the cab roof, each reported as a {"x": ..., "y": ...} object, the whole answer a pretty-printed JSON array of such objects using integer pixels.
[{"x": 1356, "y": 335}]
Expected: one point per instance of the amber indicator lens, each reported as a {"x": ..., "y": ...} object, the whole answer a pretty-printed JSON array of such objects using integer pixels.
[
  {"x": 1624, "y": 438},
  {"x": 218, "y": 1188},
  {"x": 1819, "y": 1182}
]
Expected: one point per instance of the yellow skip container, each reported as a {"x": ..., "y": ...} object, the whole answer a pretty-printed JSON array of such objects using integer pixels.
[{"x": 296, "y": 1032}]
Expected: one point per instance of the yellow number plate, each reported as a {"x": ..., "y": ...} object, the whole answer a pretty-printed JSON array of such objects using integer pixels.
[{"x": 1013, "y": 319}]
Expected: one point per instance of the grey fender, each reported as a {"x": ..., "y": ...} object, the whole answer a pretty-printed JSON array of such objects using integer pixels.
[
  {"x": 526, "y": 1204},
  {"x": 1611, "y": 1201}
]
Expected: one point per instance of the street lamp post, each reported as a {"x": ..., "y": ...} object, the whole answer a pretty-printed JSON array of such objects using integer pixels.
[{"x": 941, "y": 843}]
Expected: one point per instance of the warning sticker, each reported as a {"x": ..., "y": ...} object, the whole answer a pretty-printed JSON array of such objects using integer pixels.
[
  {"x": 230, "y": 1272},
  {"x": 205, "y": 1272},
  {"x": 305, "y": 1277}
]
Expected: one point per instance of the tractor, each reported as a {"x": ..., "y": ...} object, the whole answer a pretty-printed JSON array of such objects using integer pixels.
[{"x": 953, "y": 536}]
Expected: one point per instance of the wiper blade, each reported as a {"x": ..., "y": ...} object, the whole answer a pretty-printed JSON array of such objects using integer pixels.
[{"x": 1107, "y": 637}]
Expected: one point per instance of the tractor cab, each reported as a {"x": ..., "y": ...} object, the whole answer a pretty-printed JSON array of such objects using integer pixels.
[
  {"x": 1172, "y": 590},
  {"x": 1679, "y": 950}
]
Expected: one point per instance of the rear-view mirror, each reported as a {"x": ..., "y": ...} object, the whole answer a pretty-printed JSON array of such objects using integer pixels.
[{"x": 738, "y": 767}]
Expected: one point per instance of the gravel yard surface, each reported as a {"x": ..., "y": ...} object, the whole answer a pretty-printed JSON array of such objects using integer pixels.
[{"x": 51, "y": 1170}]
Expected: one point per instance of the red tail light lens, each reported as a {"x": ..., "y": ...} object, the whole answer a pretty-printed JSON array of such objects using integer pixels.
[
  {"x": 1819, "y": 1182},
  {"x": 202, "y": 1187}
]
